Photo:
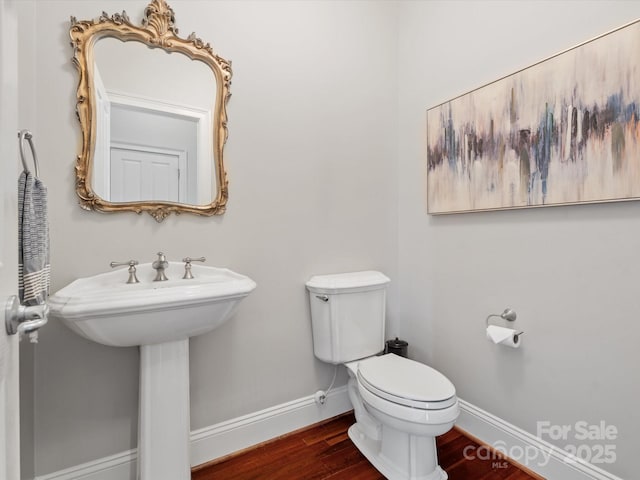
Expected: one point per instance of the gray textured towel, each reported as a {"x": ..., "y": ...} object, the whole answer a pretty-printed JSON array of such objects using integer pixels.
[{"x": 33, "y": 240}]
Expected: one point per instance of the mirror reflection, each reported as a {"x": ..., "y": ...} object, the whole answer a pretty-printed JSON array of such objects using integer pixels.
[{"x": 153, "y": 137}]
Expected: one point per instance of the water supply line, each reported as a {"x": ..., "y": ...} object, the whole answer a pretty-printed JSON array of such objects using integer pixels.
[{"x": 321, "y": 395}]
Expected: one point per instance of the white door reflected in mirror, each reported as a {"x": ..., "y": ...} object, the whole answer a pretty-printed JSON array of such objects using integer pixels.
[{"x": 144, "y": 174}]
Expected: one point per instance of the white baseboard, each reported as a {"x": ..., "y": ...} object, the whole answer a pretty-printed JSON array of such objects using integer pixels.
[
  {"x": 227, "y": 437},
  {"x": 536, "y": 454},
  {"x": 221, "y": 439},
  {"x": 119, "y": 466}
]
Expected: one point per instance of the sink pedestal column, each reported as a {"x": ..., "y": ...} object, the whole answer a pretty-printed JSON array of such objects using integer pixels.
[{"x": 164, "y": 426}]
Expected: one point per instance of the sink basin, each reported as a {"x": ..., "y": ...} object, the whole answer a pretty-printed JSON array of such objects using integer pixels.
[{"x": 107, "y": 310}]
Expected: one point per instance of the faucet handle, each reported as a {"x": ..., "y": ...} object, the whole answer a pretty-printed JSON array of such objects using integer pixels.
[
  {"x": 132, "y": 269},
  {"x": 187, "y": 266}
]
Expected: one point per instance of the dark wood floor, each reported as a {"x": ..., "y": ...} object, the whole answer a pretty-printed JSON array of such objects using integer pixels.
[{"x": 325, "y": 452}]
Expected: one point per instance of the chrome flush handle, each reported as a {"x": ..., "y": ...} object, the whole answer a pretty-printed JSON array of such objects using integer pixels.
[
  {"x": 324, "y": 298},
  {"x": 187, "y": 266}
]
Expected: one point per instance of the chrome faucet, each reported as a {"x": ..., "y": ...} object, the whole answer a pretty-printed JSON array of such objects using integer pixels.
[{"x": 160, "y": 265}]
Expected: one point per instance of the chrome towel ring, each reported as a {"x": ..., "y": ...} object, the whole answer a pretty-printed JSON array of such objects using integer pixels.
[{"x": 28, "y": 136}]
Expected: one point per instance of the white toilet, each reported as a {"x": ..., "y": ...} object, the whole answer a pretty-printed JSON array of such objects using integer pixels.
[{"x": 400, "y": 405}]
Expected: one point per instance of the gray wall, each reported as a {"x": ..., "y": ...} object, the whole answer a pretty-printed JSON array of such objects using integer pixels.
[
  {"x": 312, "y": 190},
  {"x": 569, "y": 272}
]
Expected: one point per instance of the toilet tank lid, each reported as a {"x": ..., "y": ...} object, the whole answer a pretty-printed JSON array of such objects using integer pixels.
[{"x": 337, "y": 282}]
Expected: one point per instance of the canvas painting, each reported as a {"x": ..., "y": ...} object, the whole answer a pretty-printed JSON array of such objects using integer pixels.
[{"x": 563, "y": 131}]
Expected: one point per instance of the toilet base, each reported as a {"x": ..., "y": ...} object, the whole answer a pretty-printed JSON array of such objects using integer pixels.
[{"x": 373, "y": 451}]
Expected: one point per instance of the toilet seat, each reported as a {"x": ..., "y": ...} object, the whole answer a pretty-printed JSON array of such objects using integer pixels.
[{"x": 406, "y": 382}]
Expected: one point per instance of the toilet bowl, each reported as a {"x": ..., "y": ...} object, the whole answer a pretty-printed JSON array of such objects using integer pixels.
[{"x": 402, "y": 405}]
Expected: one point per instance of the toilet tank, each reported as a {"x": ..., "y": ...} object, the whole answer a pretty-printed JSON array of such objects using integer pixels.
[{"x": 347, "y": 315}]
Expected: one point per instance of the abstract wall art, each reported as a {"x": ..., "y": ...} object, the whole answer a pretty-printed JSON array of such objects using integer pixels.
[{"x": 563, "y": 131}]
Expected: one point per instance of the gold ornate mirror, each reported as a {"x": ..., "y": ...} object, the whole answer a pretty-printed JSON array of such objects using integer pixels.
[{"x": 152, "y": 111}]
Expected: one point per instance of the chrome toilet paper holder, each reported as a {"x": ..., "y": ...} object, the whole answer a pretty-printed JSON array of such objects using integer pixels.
[{"x": 509, "y": 315}]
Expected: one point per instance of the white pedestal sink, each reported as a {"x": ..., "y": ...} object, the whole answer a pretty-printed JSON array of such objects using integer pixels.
[{"x": 159, "y": 317}]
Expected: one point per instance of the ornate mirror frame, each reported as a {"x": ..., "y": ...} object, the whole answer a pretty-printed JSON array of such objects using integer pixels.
[{"x": 157, "y": 31}]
